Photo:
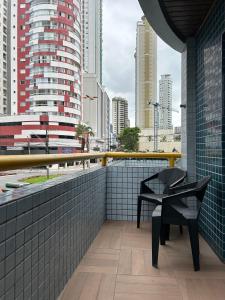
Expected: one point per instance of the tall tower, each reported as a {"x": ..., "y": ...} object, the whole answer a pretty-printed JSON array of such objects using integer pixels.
[
  {"x": 49, "y": 58},
  {"x": 119, "y": 115},
  {"x": 92, "y": 37},
  {"x": 165, "y": 100},
  {"x": 3, "y": 56},
  {"x": 146, "y": 74}
]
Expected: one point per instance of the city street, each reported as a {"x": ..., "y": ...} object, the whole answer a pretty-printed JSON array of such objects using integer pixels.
[{"x": 17, "y": 175}]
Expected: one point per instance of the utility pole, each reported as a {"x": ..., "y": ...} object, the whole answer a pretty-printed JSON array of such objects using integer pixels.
[
  {"x": 156, "y": 121},
  {"x": 28, "y": 145}
]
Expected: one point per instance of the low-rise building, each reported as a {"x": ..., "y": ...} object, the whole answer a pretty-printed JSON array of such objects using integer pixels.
[{"x": 166, "y": 141}]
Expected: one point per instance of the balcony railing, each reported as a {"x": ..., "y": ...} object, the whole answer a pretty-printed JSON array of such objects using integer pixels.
[
  {"x": 46, "y": 229},
  {"x": 13, "y": 162}
]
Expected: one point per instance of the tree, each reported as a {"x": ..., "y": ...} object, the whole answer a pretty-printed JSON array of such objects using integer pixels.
[
  {"x": 163, "y": 138},
  {"x": 177, "y": 138},
  {"x": 129, "y": 138},
  {"x": 83, "y": 132}
]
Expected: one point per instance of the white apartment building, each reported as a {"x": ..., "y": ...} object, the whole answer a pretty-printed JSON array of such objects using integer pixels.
[
  {"x": 165, "y": 100},
  {"x": 92, "y": 37},
  {"x": 146, "y": 74},
  {"x": 96, "y": 108},
  {"x": 3, "y": 55},
  {"x": 119, "y": 115}
]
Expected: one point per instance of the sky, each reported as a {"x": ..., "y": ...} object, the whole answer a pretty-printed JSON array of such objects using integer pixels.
[{"x": 119, "y": 42}]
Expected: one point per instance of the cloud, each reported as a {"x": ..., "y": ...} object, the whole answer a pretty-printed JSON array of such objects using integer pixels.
[{"x": 119, "y": 42}]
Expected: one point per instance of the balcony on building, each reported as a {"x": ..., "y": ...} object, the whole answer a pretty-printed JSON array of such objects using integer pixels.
[{"x": 75, "y": 237}]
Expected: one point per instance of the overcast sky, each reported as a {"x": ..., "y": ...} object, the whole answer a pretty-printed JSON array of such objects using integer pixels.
[{"x": 119, "y": 41}]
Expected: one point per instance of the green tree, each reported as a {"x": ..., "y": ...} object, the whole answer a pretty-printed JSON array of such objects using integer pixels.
[
  {"x": 129, "y": 138},
  {"x": 163, "y": 139},
  {"x": 83, "y": 132}
]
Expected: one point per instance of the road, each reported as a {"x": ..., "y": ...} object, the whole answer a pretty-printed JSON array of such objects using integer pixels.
[{"x": 16, "y": 175}]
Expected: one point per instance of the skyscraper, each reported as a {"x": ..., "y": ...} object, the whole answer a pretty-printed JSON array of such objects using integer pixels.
[
  {"x": 146, "y": 74},
  {"x": 119, "y": 114},
  {"x": 92, "y": 37},
  {"x": 165, "y": 101},
  {"x": 3, "y": 55},
  {"x": 96, "y": 103},
  {"x": 45, "y": 75}
]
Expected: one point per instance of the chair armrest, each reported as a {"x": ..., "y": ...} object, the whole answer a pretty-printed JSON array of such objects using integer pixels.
[
  {"x": 183, "y": 187},
  {"x": 174, "y": 184},
  {"x": 174, "y": 198},
  {"x": 144, "y": 188},
  {"x": 150, "y": 178}
]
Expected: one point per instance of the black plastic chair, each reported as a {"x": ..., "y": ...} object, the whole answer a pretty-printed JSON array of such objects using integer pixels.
[
  {"x": 174, "y": 211},
  {"x": 169, "y": 177}
]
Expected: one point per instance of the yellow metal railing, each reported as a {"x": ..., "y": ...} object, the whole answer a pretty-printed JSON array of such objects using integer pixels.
[{"x": 13, "y": 162}]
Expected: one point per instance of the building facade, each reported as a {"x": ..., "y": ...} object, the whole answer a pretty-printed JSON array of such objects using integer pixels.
[
  {"x": 167, "y": 141},
  {"x": 119, "y": 115},
  {"x": 96, "y": 108},
  {"x": 45, "y": 71},
  {"x": 165, "y": 101},
  {"x": 146, "y": 74},
  {"x": 92, "y": 37},
  {"x": 4, "y": 56}
]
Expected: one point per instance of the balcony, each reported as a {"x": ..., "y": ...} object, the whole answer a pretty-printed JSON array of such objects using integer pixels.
[
  {"x": 75, "y": 237},
  {"x": 118, "y": 266}
]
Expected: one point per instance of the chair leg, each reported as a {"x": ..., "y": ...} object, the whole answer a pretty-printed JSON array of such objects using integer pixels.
[
  {"x": 167, "y": 232},
  {"x": 163, "y": 235},
  {"x": 139, "y": 211},
  {"x": 181, "y": 229},
  {"x": 156, "y": 226},
  {"x": 193, "y": 233}
]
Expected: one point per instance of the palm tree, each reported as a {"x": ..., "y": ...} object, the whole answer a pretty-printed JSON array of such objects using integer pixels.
[{"x": 84, "y": 132}]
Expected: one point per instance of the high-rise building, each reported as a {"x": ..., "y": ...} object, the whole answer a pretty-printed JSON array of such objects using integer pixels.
[
  {"x": 3, "y": 55},
  {"x": 96, "y": 107},
  {"x": 96, "y": 101},
  {"x": 92, "y": 37},
  {"x": 45, "y": 43},
  {"x": 146, "y": 74},
  {"x": 119, "y": 114},
  {"x": 165, "y": 101}
]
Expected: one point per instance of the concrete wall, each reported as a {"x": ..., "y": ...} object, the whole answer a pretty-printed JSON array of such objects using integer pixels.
[{"x": 44, "y": 232}]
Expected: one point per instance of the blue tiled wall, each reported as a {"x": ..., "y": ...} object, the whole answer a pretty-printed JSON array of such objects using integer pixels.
[
  {"x": 210, "y": 125},
  {"x": 123, "y": 187},
  {"x": 45, "y": 231}
]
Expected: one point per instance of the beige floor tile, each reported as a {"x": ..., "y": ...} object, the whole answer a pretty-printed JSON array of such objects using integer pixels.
[
  {"x": 145, "y": 285},
  {"x": 107, "y": 287},
  {"x": 99, "y": 263},
  {"x": 74, "y": 287},
  {"x": 117, "y": 266},
  {"x": 202, "y": 289},
  {"x": 110, "y": 239},
  {"x": 125, "y": 262},
  {"x": 137, "y": 240},
  {"x": 128, "y": 296}
]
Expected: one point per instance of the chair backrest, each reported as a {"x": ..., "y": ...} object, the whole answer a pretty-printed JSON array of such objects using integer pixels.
[
  {"x": 201, "y": 187},
  {"x": 171, "y": 177}
]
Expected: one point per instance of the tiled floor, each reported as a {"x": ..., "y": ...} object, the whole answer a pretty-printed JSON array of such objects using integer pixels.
[{"x": 118, "y": 266}]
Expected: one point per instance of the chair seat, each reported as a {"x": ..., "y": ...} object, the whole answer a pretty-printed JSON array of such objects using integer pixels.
[
  {"x": 154, "y": 198},
  {"x": 187, "y": 212}
]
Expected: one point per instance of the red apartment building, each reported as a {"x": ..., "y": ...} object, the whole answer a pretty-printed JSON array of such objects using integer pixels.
[{"x": 45, "y": 77}]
